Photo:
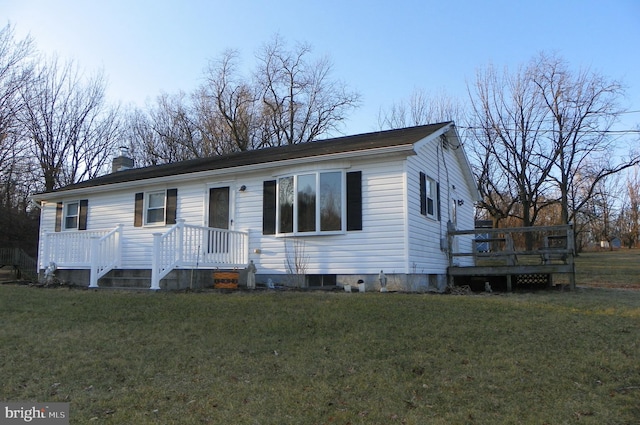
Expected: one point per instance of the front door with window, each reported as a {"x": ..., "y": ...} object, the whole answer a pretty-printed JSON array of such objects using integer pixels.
[{"x": 219, "y": 218}]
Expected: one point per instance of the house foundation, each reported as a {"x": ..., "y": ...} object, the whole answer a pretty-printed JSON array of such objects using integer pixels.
[{"x": 197, "y": 279}]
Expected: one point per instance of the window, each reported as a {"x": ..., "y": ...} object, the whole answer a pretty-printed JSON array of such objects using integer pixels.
[
  {"x": 71, "y": 212},
  {"x": 285, "y": 200},
  {"x": 429, "y": 197},
  {"x": 71, "y": 215},
  {"x": 330, "y": 201},
  {"x": 155, "y": 208},
  {"x": 313, "y": 203},
  {"x": 159, "y": 207},
  {"x": 307, "y": 202}
]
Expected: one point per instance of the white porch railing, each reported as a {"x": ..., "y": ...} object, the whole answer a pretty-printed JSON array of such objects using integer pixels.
[
  {"x": 106, "y": 254},
  {"x": 69, "y": 249},
  {"x": 98, "y": 250},
  {"x": 183, "y": 245},
  {"x": 186, "y": 245}
]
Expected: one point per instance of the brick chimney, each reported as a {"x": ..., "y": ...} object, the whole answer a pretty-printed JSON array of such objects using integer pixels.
[{"x": 123, "y": 161}]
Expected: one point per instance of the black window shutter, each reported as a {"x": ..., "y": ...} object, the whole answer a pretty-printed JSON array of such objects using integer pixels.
[
  {"x": 139, "y": 205},
  {"x": 58, "y": 217},
  {"x": 438, "y": 199},
  {"x": 423, "y": 193},
  {"x": 172, "y": 206},
  {"x": 269, "y": 207},
  {"x": 354, "y": 200},
  {"x": 82, "y": 215}
]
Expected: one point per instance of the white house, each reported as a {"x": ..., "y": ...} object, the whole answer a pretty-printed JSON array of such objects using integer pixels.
[{"x": 324, "y": 213}]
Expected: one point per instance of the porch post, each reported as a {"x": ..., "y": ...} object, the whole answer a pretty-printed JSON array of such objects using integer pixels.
[
  {"x": 180, "y": 240},
  {"x": 95, "y": 260},
  {"x": 155, "y": 262}
]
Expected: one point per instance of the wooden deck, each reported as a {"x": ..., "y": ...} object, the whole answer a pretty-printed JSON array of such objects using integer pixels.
[{"x": 512, "y": 252}]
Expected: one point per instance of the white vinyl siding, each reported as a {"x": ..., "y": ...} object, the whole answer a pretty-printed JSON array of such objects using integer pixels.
[{"x": 426, "y": 234}]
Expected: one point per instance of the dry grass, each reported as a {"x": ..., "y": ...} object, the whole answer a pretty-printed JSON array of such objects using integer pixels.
[
  {"x": 324, "y": 358},
  {"x": 613, "y": 269}
]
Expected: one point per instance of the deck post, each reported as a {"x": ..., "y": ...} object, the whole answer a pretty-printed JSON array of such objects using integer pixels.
[
  {"x": 180, "y": 240},
  {"x": 571, "y": 245},
  {"x": 155, "y": 262}
]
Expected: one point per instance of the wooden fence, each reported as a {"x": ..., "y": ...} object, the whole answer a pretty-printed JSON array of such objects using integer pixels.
[{"x": 24, "y": 266}]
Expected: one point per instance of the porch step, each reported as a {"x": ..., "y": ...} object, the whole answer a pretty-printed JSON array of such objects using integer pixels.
[
  {"x": 130, "y": 279},
  {"x": 141, "y": 279},
  {"x": 124, "y": 282}
]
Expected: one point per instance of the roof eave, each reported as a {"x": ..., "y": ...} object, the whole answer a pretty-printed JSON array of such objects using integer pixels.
[{"x": 406, "y": 149}]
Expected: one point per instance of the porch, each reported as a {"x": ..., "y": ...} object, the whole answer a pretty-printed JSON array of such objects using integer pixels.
[
  {"x": 183, "y": 246},
  {"x": 531, "y": 254}
]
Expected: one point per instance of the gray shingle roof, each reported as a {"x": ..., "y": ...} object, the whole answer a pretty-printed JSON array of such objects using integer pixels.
[{"x": 360, "y": 142}]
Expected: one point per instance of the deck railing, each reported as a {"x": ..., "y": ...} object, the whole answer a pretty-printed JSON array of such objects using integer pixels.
[
  {"x": 514, "y": 251},
  {"x": 186, "y": 245}
]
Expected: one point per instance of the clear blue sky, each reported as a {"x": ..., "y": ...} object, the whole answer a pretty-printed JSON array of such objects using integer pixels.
[{"x": 383, "y": 49}]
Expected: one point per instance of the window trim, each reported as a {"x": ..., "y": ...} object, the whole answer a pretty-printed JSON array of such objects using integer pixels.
[
  {"x": 146, "y": 208},
  {"x": 141, "y": 208},
  {"x": 62, "y": 213},
  {"x": 66, "y": 216},
  {"x": 429, "y": 196},
  {"x": 353, "y": 205},
  {"x": 318, "y": 205}
]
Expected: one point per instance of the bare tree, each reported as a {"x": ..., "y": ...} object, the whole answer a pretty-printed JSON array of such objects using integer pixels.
[
  {"x": 596, "y": 219},
  {"x": 288, "y": 100},
  {"x": 628, "y": 222},
  {"x": 16, "y": 72},
  {"x": 422, "y": 108},
  {"x": 541, "y": 136},
  {"x": 71, "y": 130},
  {"x": 143, "y": 143},
  {"x": 18, "y": 222},
  {"x": 507, "y": 130},
  {"x": 227, "y": 106},
  {"x": 299, "y": 99},
  {"x": 582, "y": 107}
]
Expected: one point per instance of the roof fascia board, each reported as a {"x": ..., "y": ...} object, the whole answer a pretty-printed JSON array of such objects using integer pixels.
[
  {"x": 467, "y": 170},
  {"x": 444, "y": 129}
]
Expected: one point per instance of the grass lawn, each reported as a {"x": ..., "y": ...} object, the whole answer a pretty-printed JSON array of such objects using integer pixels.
[
  {"x": 619, "y": 268},
  {"x": 289, "y": 357}
]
